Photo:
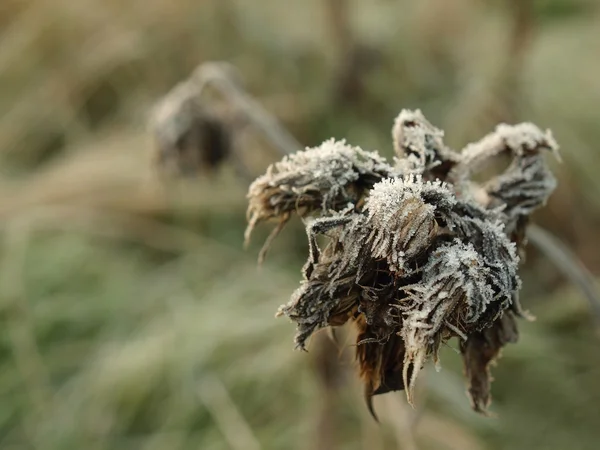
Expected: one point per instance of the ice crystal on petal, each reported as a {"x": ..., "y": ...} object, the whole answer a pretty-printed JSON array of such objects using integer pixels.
[{"x": 401, "y": 223}]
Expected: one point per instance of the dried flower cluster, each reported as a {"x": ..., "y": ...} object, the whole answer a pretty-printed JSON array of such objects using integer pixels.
[
  {"x": 190, "y": 138},
  {"x": 417, "y": 253}
]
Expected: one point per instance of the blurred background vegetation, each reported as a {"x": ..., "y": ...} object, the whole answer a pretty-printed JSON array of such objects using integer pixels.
[{"x": 131, "y": 317}]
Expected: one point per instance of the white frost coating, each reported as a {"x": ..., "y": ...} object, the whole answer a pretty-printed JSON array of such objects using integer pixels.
[
  {"x": 418, "y": 144},
  {"x": 401, "y": 223},
  {"x": 454, "y": 282},
  {"x": 526, "y": 137},
  {"x": 519, "y": 139},
  {"x": 411, "y": 128},
  {"x": 324, "y": 178},
  {"x": 333, "y": 157},
  {"x": 326, "y": 169}
]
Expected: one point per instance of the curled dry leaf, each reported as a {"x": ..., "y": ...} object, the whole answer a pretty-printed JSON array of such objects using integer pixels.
[
  {"x": 479, "y": 350},
  {"x": 416, "y": 253}
]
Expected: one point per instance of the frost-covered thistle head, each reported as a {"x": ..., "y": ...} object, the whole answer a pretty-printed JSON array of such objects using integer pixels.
[{"x": 416, "y": 253}]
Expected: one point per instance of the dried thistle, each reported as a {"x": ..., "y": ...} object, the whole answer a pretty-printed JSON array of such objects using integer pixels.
[
  {"x": 417, "y": 253},
  {"x": 190, "y": 138},
  {"x": 193, "y": 135}
]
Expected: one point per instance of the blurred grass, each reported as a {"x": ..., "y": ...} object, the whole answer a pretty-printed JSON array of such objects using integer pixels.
[{"x": 132, "y": 318}]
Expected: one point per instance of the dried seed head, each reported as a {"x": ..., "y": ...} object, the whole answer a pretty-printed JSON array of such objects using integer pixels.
[
  {"x": 448, "y": 301},
  {"x": 411, "y": 259},
  {"x": 519, "y": 140},
  {"x": 189, "y": 138},
  {"x": 380, "y": 364},
  {"x": 525, "y": 186},
  {"x": 329, "y": 293}
]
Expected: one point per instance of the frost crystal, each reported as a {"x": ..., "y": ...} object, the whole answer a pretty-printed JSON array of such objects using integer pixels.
[
  {"x": 414, "y": 254},
  {"x": 401, "y": 223},
  {"x": 420, "y": 146}
]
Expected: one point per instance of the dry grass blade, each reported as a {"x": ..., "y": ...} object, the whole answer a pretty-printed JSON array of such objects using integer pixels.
[
  {"x": 568, "y": 264},
  {"x": 234, "y": 427},
  {"x": 219, "y": 75}
]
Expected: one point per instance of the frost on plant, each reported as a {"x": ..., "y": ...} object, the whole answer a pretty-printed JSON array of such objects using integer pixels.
[
  {"x": 325, "y": 178},
  {"x": 413, "y": 253}
]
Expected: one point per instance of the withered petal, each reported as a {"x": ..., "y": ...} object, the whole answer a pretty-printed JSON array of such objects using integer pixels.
[
  {"x": 380, "y": 364},
  {"x": 479, "y": 351}
]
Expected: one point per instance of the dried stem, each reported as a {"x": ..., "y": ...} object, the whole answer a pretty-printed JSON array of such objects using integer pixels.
[
  {"x": 568, "y": 263},
  {"x": 219, "y": 76},
  {"x": 329, "y": 376},
  {"x": 234, "y": 427}
]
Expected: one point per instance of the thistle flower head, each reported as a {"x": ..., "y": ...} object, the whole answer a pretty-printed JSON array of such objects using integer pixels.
[{"x": 414, "y": 255}]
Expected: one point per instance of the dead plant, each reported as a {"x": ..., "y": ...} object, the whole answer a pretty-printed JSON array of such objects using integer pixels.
[{"x": 417, "y": 252}]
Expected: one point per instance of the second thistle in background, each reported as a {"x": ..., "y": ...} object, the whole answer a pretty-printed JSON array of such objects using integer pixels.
[
  {"x": 190, "y": 138},
  {"x": 418, "y": 253},
  {"x": 195, "y": 135}
]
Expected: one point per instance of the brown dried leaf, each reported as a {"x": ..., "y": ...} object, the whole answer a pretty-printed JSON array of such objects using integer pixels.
[{"x": 479, "y": 351}]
